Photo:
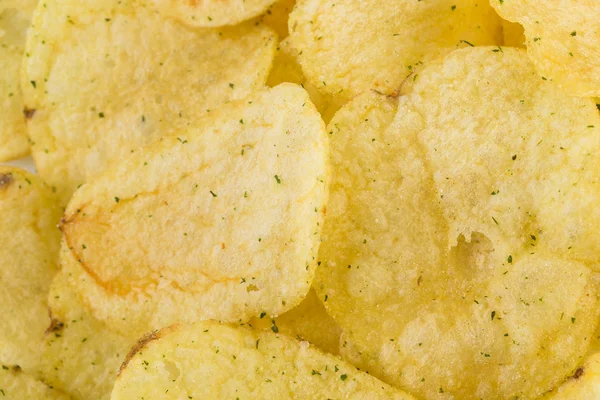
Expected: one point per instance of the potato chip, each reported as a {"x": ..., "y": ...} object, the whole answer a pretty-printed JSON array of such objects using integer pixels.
[
  {"x": 17, "y": 385},
  {"x": 456, "y": 209},
  {"x": 287, "y": 69},
  {"x": 277, "y": 16},
  {"x": 105, "y": 77},
  {"x": 221, "y": 221},
  {"x": 584, "y": 384},
  {"x": 212, "y": 13},
  {"x": 81, "y": 355},
  {"x": 514, "y": 34},
  {"x": 563, "y": 41},
  {"x": 29, "y": 243},
  {"x": 347, "y": 47},
  {"x": 15, "y": 17},
  {"x": 307, "y": 321},
  {"x": 241, "y": 363}
]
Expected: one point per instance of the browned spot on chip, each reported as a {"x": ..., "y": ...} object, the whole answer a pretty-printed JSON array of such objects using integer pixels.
[
  {"x": 147, "y": 338},
  {"x": 6, "y": 180},
  {"x": 55, "y": 325},
  {"x": 29, "y": 113},
  {"x": 578, "y": 373}
]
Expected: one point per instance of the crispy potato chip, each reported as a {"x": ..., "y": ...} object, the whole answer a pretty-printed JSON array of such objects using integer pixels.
[
  {"x": 29, "y": 243},
  {"x": 107, "y": 76},
  {"x": 347, "y": 47},
  {"x": 277, "y": 16},
  {"x": 584, "y": 384},
  {"x": 81, "y": 355},
  {"x": 15, "y": 17},
  {"x": 17, "y": 385},
  {"x": 563, "y": 41},
  {"x": 307, "y": 321},
  {"x": 222, "y": 221},
  {"x": 457, "y": 208},
  {"x": 241, "y": 362},
  {"x": 514, "y": 34},
  {"x": 212, "y": 13},
  {"x": 287, "y": 69}
]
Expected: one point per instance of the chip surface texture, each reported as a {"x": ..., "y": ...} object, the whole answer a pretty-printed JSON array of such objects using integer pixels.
[
  {"x": 466, "y": 209},
  {"x": 221, "y": 221},
  {"x": 106, "y": 77}
]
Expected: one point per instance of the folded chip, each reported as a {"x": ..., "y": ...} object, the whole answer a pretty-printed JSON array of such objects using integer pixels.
[
  {"x": 346, "y": 47},
  {"x": 459, "y": 251},
  {"x": 208, "y": 360},
  {"x": 29, "y": 243},
  {"x": 17, "y": 385},
  {"x": 212, "y": 13},
  {"x": 308, "y": 321},
  {"x": 563, "y": 40},
  {"x": 15, "y": 18},
  {"x": 104, "y": 77},
  {"x": 221, "y": 221}
]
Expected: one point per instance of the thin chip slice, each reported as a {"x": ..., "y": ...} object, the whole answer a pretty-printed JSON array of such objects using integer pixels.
[
  {"x": 347, "y": 47},
  {"x": 29, "y": 244},
  {"x": 221, "y": 221},
  {"x": 457, "y": 208},
  {"x": 584, "y": 384},
  {"x": 287, "y": 69},
  {"x": 308, "y": 321},
  {"x": 17, "y": 385},
  {"x": 81, "y": 355},
  {"x": 514, "y": 34},
  {"x": 563, "y": 40},
  {"x": 277, "y": 16},
  {"x": 241, "y": 362},
  {"x": 15, "y": 17},
  {"x": 106, "y": 77},
  {"x": 212, "y": 13}
]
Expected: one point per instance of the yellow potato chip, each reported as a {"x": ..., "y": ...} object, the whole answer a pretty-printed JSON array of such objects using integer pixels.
[
  {"x": 212, "y": 13},
  {"x": 563, "y": 41},
  {"x": 277, "y": 16},
  {"x": 456, "y": 209},
  {"x": 287, "y": 69},
  {"x": 583, "y": 384},
  {"x": 106, "y": 77},
  {"x": 514, "y": 34},
  {"x": 347, "y": 47},
  {"x": 307, "y": 321},
  {"x": 241, "y": 363},
  {"x": 221, "y": 221},
  {"x": 29, "y": 243},
  {"x": 15, "y": 17},
  {"x": 81, "y": 355},
  {"x": 17, "y": 385}
]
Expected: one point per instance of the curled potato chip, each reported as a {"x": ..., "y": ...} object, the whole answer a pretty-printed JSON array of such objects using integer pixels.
[
  {"x": 307, "y": 321},
  {"x": 287, "y": 69},
  {"x": 106, "y": 77},
  {"x": 29, "y": 243},
  {"x": 17, "y": 385},
  {"x": 212, "y": 13},
  {"x": 81, "y": 355},
  {"x": 467, "y": 210},
  {"x": 241, "y": 362},
  {"x": 276, "y": 16},
  {"x": 347, "y": 47},
  {"x": 221, "y": 221},
  {"x": 15, "y": 17},
  {"x": 563, "y": 41},
  {"x": 514, "y": 34},
  {"x": 584, "y": 384}
]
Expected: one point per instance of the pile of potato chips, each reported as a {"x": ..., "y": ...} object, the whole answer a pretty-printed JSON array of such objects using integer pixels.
[{"x": 310, "y": 199}]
